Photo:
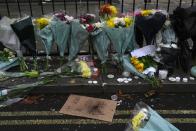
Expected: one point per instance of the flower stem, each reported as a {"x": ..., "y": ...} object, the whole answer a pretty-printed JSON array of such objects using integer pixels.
[{"x": 23, "y": 65}]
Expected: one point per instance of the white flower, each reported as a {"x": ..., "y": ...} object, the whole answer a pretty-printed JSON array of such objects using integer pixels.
[
  {"x": 99, "y": 24},
  {"x": 116, "y": 21},
  {"x": 69, "y": 18},
  {"x": 122, "y": 22}
]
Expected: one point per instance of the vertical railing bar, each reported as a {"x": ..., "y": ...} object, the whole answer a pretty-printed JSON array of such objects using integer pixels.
[
  {"x": 89, "y": 41},
  {"x": 168, "y": 5},
  {"x": 99, "y": 3},
  {"x": 53, "y": 8},
  {"x": 7, "y": 5},
  {"x": 76, "y": 5},
  {"x": 64, "y": 5},
  {"x": 19, "y": 9},
  {"x": 87, "y": 6},
  {"x": 192, "y": 2},
  {"x": 180, "y": 3},
  {"x": 122, "y": 6},
  {"x": 145, "y": 4},
  {"x": 89, "y": 46},
  {"x": 30, "y": 8},
  {"x": 110, "y": 2},
  {"x": 104, "y": 1},
  {"x": 157, "y": 4},
  {"x": 133, "y": 5},
  {"x": 42, "y": 8}
]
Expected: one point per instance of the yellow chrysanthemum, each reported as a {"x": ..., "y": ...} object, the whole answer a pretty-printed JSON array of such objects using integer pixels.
[
  {"x": 85, "y": 70},
  {"x": 110, "y": 23},
  {"x": 133, "y": 58},
  {"x": 128, "y": 21},
  {"x": 134, "y": 61},
  {"x": 146, "y": 12},
  {"x": 113, "y": 10},
  {"x": 42, "y": 22},
  {"x": 140, "y": 67}
]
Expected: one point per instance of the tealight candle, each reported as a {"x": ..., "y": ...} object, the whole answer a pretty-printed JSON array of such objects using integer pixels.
[
  {"x": 90, "y": 82},
  {"x": 120, "y": 80},
  {"x": 185, "y": 80},
  {"x": 163, "y": 74},
  {"x": 177, "y": 79},
  {"x": 172, "y": 79},
  {"x": 192, "y": 78},
  {"x": 95, "y": 82},
  {"x": 126, "y": 81}
]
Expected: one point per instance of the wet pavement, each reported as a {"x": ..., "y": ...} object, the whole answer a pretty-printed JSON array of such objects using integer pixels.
[{"x": 40, "y": 112}]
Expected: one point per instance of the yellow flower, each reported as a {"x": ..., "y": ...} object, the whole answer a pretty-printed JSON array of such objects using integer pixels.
[
  {"x": 42, "y": 22},
  {"x": 133, "y": 58},
  {"x": 113, "y": 10},
  {"x": 85, "y": 70},
  {"x": 146, "y": 12},
  {"x": 136, "y": 121},
  {"x": 140, "y": 67},
  {"x": 110, "y": 23},
  {"x": 134, "y": 61},
  {"x": 128, "y": 21}
]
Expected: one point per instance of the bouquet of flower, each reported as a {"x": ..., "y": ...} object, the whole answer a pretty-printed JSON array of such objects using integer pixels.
[
  {"x": 55, "y": 29},
  {"x": 78, "y": 68},
  {"x": 6, "y": 55},
  {"x": 144, "y": 118},
  {"x": 16, "y": 93},
  {"x": 148, "y": 23},
  {"x": 147, "y": 66},
  {"x": 29, "y": 74},
  {"x": 84, "y": 69},
  {"x": 107, "y": 11},
  {"x": 143, "y": 63}
]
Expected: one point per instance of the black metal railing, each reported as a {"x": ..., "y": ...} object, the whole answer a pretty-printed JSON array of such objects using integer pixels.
[
  {"x": 16, "y": 8},
  {"x": 6, "y": 5}
]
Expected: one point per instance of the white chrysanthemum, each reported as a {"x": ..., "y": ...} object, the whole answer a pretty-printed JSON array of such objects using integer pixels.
[
  {"x": 116, "y": 21},
  {"x": 122, "y": 21},
  {"x": 99, "y": 24},
  {"x": 69, "y": 18}
]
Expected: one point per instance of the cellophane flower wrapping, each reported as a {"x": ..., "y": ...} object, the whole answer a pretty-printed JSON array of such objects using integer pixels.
[{"x": 144, "y": 118}]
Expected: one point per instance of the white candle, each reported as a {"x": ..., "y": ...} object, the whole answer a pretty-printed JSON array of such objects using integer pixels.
[{"x": 163, "y": 74}]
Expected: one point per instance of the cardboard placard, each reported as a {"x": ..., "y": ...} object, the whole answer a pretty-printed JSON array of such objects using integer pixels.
[{"x": 89, "y": 107}]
